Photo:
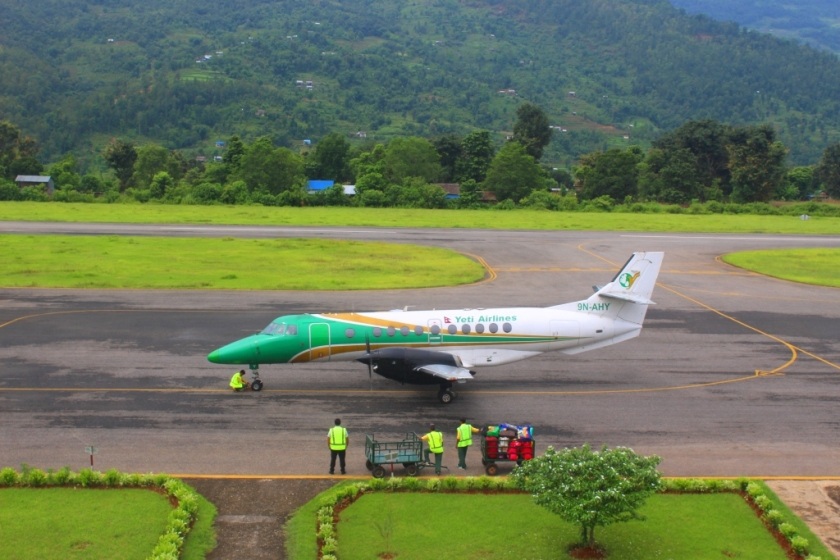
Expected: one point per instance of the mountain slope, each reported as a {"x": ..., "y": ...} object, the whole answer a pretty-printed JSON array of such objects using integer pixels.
[
  {"x": 814, "y": 22},
  {"x": 184, "y": 75}
]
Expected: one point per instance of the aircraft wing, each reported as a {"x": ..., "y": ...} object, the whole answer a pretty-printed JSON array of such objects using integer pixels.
[{"x": 446, "y": 372}]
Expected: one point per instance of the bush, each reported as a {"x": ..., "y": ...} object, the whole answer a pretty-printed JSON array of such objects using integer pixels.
[
  {"x": 763, "y": 502},
  {"x": 788, "y": 530},
  {"x": 34, "y": 478},
  {"x": 774, "y": 517},
  {"x": 10, "y": 191},
  {"x": 113, "y": 478},
  {"x": 754, "y": 490},
  {"x": 799, "y": 545},
  {"x": 8, "y": 477},
  {"x": 412, "y": 484},
  {"x": 450, "y": 483},
  {"x": 62, "y": 476}
]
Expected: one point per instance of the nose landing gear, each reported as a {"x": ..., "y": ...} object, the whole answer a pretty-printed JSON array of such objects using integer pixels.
[{"x": 256, "y": 383}]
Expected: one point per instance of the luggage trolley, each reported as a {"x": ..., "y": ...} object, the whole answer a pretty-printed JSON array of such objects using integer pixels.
[
  {"x": 409, "y": 452},
  {"x": 506, "y": 443}
]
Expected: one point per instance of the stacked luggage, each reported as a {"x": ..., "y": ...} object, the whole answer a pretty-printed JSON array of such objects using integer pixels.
[{"x": 506, "y": 442}]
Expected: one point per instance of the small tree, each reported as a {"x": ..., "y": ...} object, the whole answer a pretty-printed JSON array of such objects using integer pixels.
[{"x": 589, "y": 487}]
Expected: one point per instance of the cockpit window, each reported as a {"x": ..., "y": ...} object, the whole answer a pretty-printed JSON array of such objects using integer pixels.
[
  {"x": 279, "y": 329},
  {"x": 275, "y": 329}
]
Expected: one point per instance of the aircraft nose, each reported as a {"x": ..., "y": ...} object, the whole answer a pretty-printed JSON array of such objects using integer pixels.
[{"x": 245, "y": 351}]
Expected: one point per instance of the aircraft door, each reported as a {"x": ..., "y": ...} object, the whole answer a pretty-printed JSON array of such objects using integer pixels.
[
  {"x": 319, "y": 341},
  {"x": 435, "y": 326}
]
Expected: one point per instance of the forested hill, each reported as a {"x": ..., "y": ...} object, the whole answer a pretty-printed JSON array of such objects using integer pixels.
[
  {"x": 814, "y": 22},
  {"x": 74, "y": 73}
]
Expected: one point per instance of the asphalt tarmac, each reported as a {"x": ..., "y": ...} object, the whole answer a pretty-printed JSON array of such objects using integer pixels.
[{"x": 735, "y": 374}]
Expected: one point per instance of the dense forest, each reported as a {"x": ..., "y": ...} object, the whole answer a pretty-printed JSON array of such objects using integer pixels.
[
  {"x": 75, "y": 74},
  {"x": 814, "y": 22}
]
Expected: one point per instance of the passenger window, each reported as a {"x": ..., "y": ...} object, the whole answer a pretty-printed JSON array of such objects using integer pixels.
[
  {"x": 494, "y": 328},
  {"x": 349, "y": 333},
  {"x": 465, "y": 329},
  {"x": 391, "y": 331},
  {"x": 418, "y": 330},
  {"x": 435, "y": 329},
  {"x": 377, "y": 332},
  {"x": 479, "y": 328},
  {"x": 507, "y": 327},
  {"x": 452, "y": 329},
  {"x": 404, "y": 331}
]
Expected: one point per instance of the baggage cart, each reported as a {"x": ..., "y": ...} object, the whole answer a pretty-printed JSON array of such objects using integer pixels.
[
  {"x": 505, "y": 448},
  {"x": 408, "y": 453}
]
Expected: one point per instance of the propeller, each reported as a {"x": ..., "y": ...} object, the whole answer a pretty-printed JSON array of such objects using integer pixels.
[{"x": 369, "y": 361}]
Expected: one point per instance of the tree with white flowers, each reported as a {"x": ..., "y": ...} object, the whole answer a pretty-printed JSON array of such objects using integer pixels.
[{"x": 590, "y": 488}]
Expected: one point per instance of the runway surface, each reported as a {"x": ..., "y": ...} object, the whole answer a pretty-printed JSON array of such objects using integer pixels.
[{"x": 735, "y": 374}]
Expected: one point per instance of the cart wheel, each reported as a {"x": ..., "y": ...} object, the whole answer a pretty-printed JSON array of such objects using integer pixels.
[
  {"x": 411, "y": 469},
  {"x": 256, "y": 385},
  {"x": 491, "y": 469},
  {"x": 378, "y": 471},
  {"x": 369, "y": 465}
]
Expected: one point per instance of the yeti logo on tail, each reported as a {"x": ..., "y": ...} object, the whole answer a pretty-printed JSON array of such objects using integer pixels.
[{"x": 627, "y": 280}]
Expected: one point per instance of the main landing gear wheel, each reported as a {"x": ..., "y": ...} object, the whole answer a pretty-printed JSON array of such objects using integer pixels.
[
  {"x": 256, "y": 385},
  {"x": 446, "y": 396}
]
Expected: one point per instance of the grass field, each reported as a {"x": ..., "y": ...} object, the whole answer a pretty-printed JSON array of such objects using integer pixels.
[
  {"x": 388, "y": 523},
  {"x": 511, "y": 527},
  {"x": 816, "y": 266},
  {"x": 66, "y": 523},
  {"x": 64, "y": 261},
  {"x": 61, "y": 523},
  {"x": 296, "y": 264},
  {"x": 399, "y": 217}
]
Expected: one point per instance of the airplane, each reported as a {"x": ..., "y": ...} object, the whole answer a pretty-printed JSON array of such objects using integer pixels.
[{"x": 441, "y": 347}]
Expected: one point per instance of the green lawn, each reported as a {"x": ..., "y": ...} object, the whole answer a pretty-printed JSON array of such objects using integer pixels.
[
  {"x": 511, "y": 527},
  {"x": 69, "y": 261},
  {"x": 59, "y": 523},
  {"x": 311, "y": 264},
  {"x": 402, "y": 217},
  {"x": 67, "y": 523},
  {"x": 819, "y": 266}
]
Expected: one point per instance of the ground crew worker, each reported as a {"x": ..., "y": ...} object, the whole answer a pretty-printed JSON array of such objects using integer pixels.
[
  {"x": 238, "y": 382},
  {"x": 435, "y": 440},
  {"x": 337, "y": 439},
  {"x": 464, "y": 434}
]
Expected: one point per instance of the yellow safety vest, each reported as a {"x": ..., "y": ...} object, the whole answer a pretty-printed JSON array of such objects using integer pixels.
[
  {"x": 236, "y": 381},
  {"x": 465, "y": 435},
  {"x": 435, "y": 442},
  {"x": 338, "y": 438}
]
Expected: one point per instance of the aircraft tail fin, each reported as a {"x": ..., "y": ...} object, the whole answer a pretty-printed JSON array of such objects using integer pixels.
[
  {"x": 636, "y": 279},
  {"x": 628, "y": 295}
]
